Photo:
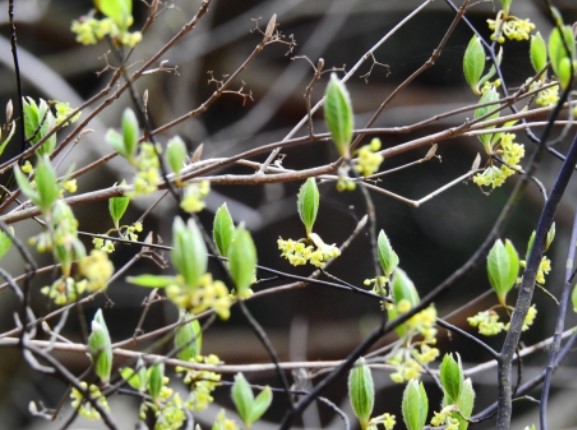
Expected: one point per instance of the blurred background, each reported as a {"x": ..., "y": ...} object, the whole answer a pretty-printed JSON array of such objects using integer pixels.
[{"x": 313, "y": 323}]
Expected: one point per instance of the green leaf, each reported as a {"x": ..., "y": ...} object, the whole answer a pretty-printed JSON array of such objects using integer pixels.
[
  {"x": 361, "y": 392},
  {"x": 117, "y": 207},
  {"x": 308, "y": 204},
  {"x": 188, "y": 338},
  {"x": 151, "y": 281},
  {"x": 474, "y": 63},
  {"x": 574, "y": 298},
  {"x": 387, "y": 256},
  {"x": 261, "y": 404},
  {"x": 120, "y": 11},
  {"x": 489, "y": 96},
  {"x": 129, "y": 133},
  {"x": 176, "y": 154},
  {"x": 538, "y": 52},
  {"x": 506, "y": 4},
  {"x": 45, "y": 177},
  {"x": 560, "y": 40},
  {"x": 114, "y": 138},
  {"x": 339, "y": 115},
  {"x": 4, "y": 140},
  {"x": 402, "y": 288},
  {"x": 155, "y": 380},
  {"x": 550, "y": 236},
  {"x": 100, "y": 347},
  {"x": 415, "y": 405},
  {"x": 38, "y": 122},
  {"x": 189, "y": 254},
  {"x": 465, "y": 404},
  {"x": 242, "y": 398},
  {"x": 242, "y": 261},
  {"x": 503, "y": 268},
  {"x": 5, "y": 242},
  {"x": 136, "y": 379},
  {"x": 451, "y": 378},
  {"x": 26, "y": 186},
  {"x": 223, "y": 229}
]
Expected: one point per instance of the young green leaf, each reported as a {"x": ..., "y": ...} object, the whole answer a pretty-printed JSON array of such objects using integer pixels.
[
  {"x": 308, "y": 204},
  {"x": 538, "y": 52},
  {"x": 188, "y": 338},
  {"x": 223, "y": 229},
  {"x": 120, "y": 11},
  {"x": 490, "y": 96},
  {"x": 339, "y": 115},
  {"x": 155, "y": 380},
  {"x": 46, "y": 184},
  {"x": 474, "y": 63},
  {"x": 6, "y": 138},
  {"x": 5, "y": 242},
  {"x": 38, "y": 122},
  {"x": 261, "y": 403},
  {"x": 100, "y": 347},
  {"x": 242, "y": 261},
  {"x": 415, "y": 405},
  {"x": 465, "y": 404},
  {"x": 506, "y": 4},
  {"x": 503, "y": 268},
  {"x": 151, "y": 281},
  {"x": 117, "y": 207},
  {"x": 451, "y": 378},
  {"x": 550, "y": 236},
  {"x": 402, "y": 288},
  {"x": 189, "y": 254},
  {"x": 242, "y": 398},
  {"x": 387, "y": 256},
  {"x": 362, "y": 392},
  {"x": 133, "y": 378},
  {"x": 129, "y": 132},
  {"x": 176, "y": 154},
  {"x": 26, "y": 186},
  {"x": 562, "y": 53}
]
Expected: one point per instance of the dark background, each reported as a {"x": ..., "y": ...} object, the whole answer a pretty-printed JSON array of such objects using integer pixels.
[{"x": 432, "y": 241}]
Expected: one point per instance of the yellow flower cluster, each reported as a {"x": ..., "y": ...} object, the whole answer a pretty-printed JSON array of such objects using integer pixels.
[
  {"x": 224, "y": 423},
  {"x": 410, "y": 360},
  {"x": 63, "y": 109},
  {"x": 70, "y": 185},
  {"x": 84, "y": 408},
  {"x": 544, "y": 269},
  {"x": 202, "y": 383},
  {"x": 487, "y": 322},
  {"x": 298, "y": 253},
  {"x": 546, "y": 97},
  {"x": 388, "y": 421},
  {"x": 90, "y": 30},
  {"x": 529, "y": 319},
  {"x": 368, "y": 158},
  {"x": 97, "y": 269},
  {"x": 510, "y": 27},
  {"x": 193, "y": 196},
  {"x": 445, "y": 419},
  {"x": 210, "y": 294},
  {"x": 103, "y": 245},
  {"x": 168, "y": 409},
  {"x": 510, "y": 153},
  {"x": 148, "y": 173},
  {"x": 64, "y": 290}
]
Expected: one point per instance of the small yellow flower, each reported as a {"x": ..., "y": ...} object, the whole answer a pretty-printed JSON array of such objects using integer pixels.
[
  {"x": 487, "y": 322},
  {"x": 97, "y": 269},
  {"x": 368, "y": 158},
  {"x": 193, "y": 196}
]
